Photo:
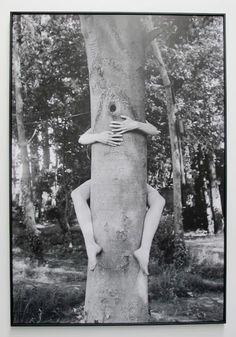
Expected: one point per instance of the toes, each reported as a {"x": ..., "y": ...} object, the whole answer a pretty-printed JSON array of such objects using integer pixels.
[
  {"x": 144, "y": 269},
  {"x": 92, "y": 266},
  {"x": 142, "y": 262},
  {"x": 146, "y": 272}
]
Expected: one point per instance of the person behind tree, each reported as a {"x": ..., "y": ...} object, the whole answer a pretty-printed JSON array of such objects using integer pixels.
[{"x": 81, "y": 195}]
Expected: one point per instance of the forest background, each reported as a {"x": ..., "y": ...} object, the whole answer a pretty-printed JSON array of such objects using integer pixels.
[{"x": 55, "y": 97}]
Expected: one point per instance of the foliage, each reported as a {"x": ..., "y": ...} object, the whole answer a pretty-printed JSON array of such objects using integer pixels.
[
  {"x": 31, "y": 244},
  {"x": 169, "y": 246},
  {"x": 55, "y": 92},
  {"x": 40, "y": 304}
]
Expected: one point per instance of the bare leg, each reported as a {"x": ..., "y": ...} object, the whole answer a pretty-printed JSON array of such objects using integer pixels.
[
  {"x": 80, "y": 198},
  {"x": 156, "y": 204}
]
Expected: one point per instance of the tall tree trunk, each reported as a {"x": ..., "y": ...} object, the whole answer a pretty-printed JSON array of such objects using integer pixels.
[
  {"x": 15, "y": 195},
  {"x": 45, "y": 145},
  {"x": 202, "y": 201},
  {"x": 29, "y": 210},
  {"x": 116, "y": 290},
  {"x": 209, "y": 213},
  {"x": 34, "y": 161},
  {"x": 34, "y": 164},
  {"x": 180, "y": 132},
  {"x": 171, "y": 111},
  {"x": 215, "y": 197}
]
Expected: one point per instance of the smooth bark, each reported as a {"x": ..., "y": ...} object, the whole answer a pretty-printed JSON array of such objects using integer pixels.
[
  {"x": 209, "y": 214},
  {"x": 171, "y": 111},
  {"x": 215, "y": 197},
  {"x": 116, "y": 290},
  {"x": 45, "y": 145},
  {"x": 29, "y": 210}
]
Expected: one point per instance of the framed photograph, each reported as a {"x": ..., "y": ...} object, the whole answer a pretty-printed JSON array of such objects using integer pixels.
[{"x": 118, "y": 203}]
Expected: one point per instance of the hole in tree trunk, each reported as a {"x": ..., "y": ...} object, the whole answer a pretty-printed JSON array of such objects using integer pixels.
[{"x": 112, "y": 107}]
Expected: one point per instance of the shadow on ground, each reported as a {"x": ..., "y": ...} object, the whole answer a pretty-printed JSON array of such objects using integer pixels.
[{"x": 54, "y": 292}]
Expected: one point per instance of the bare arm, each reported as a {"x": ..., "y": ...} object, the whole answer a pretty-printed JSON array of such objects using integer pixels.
[
  {"x": 147, "y": 128},
  {"x": 129, "y": 124},
  {"x": 88, "y": 138},
  {"x": 106, "y": 137}
]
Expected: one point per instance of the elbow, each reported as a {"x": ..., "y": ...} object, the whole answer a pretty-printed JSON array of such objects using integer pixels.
[
  {"x": 75, "y": 194},
  {"x": 72, "y": 194},
  {"x": 81, "y": 140}
]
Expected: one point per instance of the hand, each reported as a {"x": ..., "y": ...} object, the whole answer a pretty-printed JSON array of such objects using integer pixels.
[
  {"x": 127, "y": 125},
  {"x": 110, "y": 138}
]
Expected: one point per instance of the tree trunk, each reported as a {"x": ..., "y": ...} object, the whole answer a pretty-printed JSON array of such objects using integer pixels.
[
  {"x": 116, "y": 290},
  {"x": 209, "y": 213},
  {"x": 171, "y": 110},
  {"x": 29, "y": 210},
  {"x": 34, "y": 161},
  {"x": 182, "y": 171},
  {"x": 202, "y": 201},
  {"x": 15, "y": 194},
  {"x": 215, "y": 197},
  {"x": 45, "y": 145},
  {"x": 34, "y": 169}
]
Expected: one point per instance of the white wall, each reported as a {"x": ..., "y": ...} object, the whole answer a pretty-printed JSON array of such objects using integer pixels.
[{"x": 201, "y": 6}]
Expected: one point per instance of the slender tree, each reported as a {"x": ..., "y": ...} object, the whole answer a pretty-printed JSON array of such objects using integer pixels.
[
  {"x": 215, "y": 197},
  {"x": 29, "y": 210},
  {"x": 46, "y": 146},
  {"x": 174, "y": 139}
]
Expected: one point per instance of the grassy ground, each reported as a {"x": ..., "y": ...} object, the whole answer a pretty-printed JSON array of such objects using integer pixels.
[{"x": 54, "y": 292}]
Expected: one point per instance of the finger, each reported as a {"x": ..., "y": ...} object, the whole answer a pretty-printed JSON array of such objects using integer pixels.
[
  {"x": 115, "y": 139},
  {"x": 115, "y": 126},
  {"x": 124, "y": 117},
  {"x": 113, "y": 143},
  {"x": 118, "y": 129},
  {"x": 110, "y": 144},
  {"x": 116, "y": 135},
  {"x": 115, "y": 122},
  {"x": 116, "y": 142}
]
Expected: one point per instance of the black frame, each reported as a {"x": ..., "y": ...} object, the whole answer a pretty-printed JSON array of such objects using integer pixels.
[{"x": 12, "y": 13}]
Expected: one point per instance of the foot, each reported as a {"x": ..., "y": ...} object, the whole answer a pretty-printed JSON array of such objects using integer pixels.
[
  {"x": 142, "y": 257},
  {"x": 93, "y": 250}
]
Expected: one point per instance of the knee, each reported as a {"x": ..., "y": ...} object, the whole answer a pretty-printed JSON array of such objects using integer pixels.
[
  {"x": 162, "y": 201},
  {"x": 75, "y": 194},
  {"x": 159, "y": 200}
]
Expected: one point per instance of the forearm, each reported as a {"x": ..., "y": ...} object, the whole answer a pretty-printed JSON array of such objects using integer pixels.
[
  {"x": 89, "y": 138},
  {"x": 147, "y": 128}
]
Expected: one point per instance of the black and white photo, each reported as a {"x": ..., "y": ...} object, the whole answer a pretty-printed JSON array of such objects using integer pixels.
[{"x": 118, "y": 207}]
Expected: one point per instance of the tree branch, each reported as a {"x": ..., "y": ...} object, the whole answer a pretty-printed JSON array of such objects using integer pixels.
[{"x": 31, "y": 138}]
